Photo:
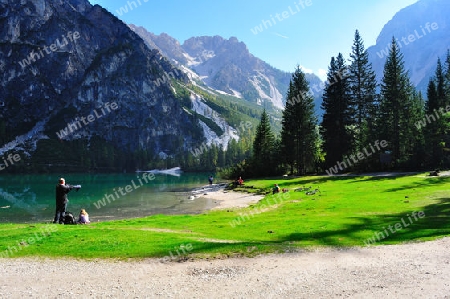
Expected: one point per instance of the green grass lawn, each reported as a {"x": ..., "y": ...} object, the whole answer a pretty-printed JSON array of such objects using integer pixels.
[{"x": 348, "y": 211}]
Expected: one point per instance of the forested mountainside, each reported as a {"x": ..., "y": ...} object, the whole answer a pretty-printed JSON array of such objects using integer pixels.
[{"x": 80, "y": 89}]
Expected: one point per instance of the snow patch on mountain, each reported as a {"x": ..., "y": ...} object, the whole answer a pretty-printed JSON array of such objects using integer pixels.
[
  {"x": 191, "y": 60},
  {"x": 222, "y": 92},
  {"x": 193, "y": 76},
  {"x": 237, "y": 94},
  {"x": 200, "y": 107},
  {"x": 259, "y": 81},
  {"x": 199, "y": 59}
]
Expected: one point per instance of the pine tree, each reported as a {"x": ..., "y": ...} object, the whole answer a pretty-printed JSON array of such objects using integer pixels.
[
  {"x": 398, "y": 111},
  {"x": 334, "y": 129},
  {"x": 288, "y": 153},
  {"x": 440, "y": 85},
  {"x": 362, "y": 80},
  {"x": 232, "y": 153},
  {"x": 447, "y": 77},
  {"x": 413, "y": 136},
  {"x": 435, "y": 108},
  {"x": 431, "y": 131},
  {"x": 263, "y": 148},
  {"x": 298, "y": 133},
  {"x": 447, "y": 110}
]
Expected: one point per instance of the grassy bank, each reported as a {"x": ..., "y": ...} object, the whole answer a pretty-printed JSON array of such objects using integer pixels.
[{"x": 347, "y": 211}]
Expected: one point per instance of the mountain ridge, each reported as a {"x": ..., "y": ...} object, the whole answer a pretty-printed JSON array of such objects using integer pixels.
[
  {"x": 226, "y": 65},
  {"x": 421, "y": 31},
  {"x": 65, "y": 82}
]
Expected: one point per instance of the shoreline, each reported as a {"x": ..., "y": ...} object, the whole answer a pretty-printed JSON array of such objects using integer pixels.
[
  {"x": 215, "y": 196},
  {"x": 225, "y": 199}
]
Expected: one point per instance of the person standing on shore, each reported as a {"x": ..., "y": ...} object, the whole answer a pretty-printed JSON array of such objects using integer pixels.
[
  {"x": 210, "y": 179},
  {"x": 61, "y": 200}
]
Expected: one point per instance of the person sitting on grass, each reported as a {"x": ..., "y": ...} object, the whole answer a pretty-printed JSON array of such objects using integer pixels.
[
  {"x": 238, "y": 182},
  {"x": 84, "y": 217},
  {"x": 276, "y": 189}
]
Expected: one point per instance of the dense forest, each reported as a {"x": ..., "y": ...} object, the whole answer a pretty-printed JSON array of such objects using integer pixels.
[{"x": 366, "y": 126}]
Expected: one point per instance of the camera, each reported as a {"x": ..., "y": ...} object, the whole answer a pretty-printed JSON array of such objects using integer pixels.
[{"x": 76, "y": 187}]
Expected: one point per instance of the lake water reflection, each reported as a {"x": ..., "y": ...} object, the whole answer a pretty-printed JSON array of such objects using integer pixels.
[{"x": 31, "y": 198}]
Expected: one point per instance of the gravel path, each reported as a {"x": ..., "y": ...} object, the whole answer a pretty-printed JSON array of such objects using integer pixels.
[{"x": 418, "y": 270}]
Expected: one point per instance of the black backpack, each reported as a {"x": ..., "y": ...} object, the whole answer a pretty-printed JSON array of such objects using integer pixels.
[{"x": 69, "y": 218}]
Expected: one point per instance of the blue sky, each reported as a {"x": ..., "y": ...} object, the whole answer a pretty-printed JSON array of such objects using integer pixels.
[{"x": 291, "y": 32}]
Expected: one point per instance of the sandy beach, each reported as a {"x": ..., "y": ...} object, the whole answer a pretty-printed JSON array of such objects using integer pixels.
[
  {"x": 225, "y": 199},
  {"x": 397, "y": 271},
  {"x": 231, "y": 199}
]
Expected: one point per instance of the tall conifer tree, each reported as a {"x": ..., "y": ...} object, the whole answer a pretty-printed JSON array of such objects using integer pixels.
[
  {"x": 399, "y": 109},
  {"x": 337, "y": 139},
  {"x": 440, "y": 85},
  {"x": 432, "y": 130},
  {"x": 298, "y": 133},
  {"x": 263, "y": 148},
  {"x": 362, "y": 80},
  {"x": 447, "y": 76},
  {"x": 436, "y": 123},
  {"x": 413, "y": 136}
]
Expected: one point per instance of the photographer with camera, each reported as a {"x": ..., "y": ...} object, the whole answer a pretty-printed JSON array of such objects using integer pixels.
[{"x": 61, "y": 199}]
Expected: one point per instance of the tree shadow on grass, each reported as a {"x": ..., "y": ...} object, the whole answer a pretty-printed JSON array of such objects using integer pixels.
[
  {"x": 374, "y": 178},
  {"x": 316, "y": 180},
  {"x": 380, "y": 229},
  {"x": 378, "y": 178},
  {"x": 390, "y": 228},
  {"x": 429, "y": 182}
]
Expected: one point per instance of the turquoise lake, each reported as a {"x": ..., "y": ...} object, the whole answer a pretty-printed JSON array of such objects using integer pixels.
[{"x": 31, "y": 198}]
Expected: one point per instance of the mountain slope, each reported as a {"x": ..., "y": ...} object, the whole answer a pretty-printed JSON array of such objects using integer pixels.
[
  {"x": 422, "y": 33},
  {"x": 226, "y": 66},
  {"x": 72, "y": 71}
]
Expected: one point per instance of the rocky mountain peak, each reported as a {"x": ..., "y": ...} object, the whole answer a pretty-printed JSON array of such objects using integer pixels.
[
  {"x": 421, "y": 31},
  {"x": 64, "y": 62}
]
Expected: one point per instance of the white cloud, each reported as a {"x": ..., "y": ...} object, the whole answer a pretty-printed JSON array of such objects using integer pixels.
[
  {"x": 322, "y": 74},
  {"x": 306, "y": 70}
]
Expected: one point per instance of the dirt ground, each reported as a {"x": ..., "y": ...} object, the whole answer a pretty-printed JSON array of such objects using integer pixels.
[{"x": 419, "y": 270}]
